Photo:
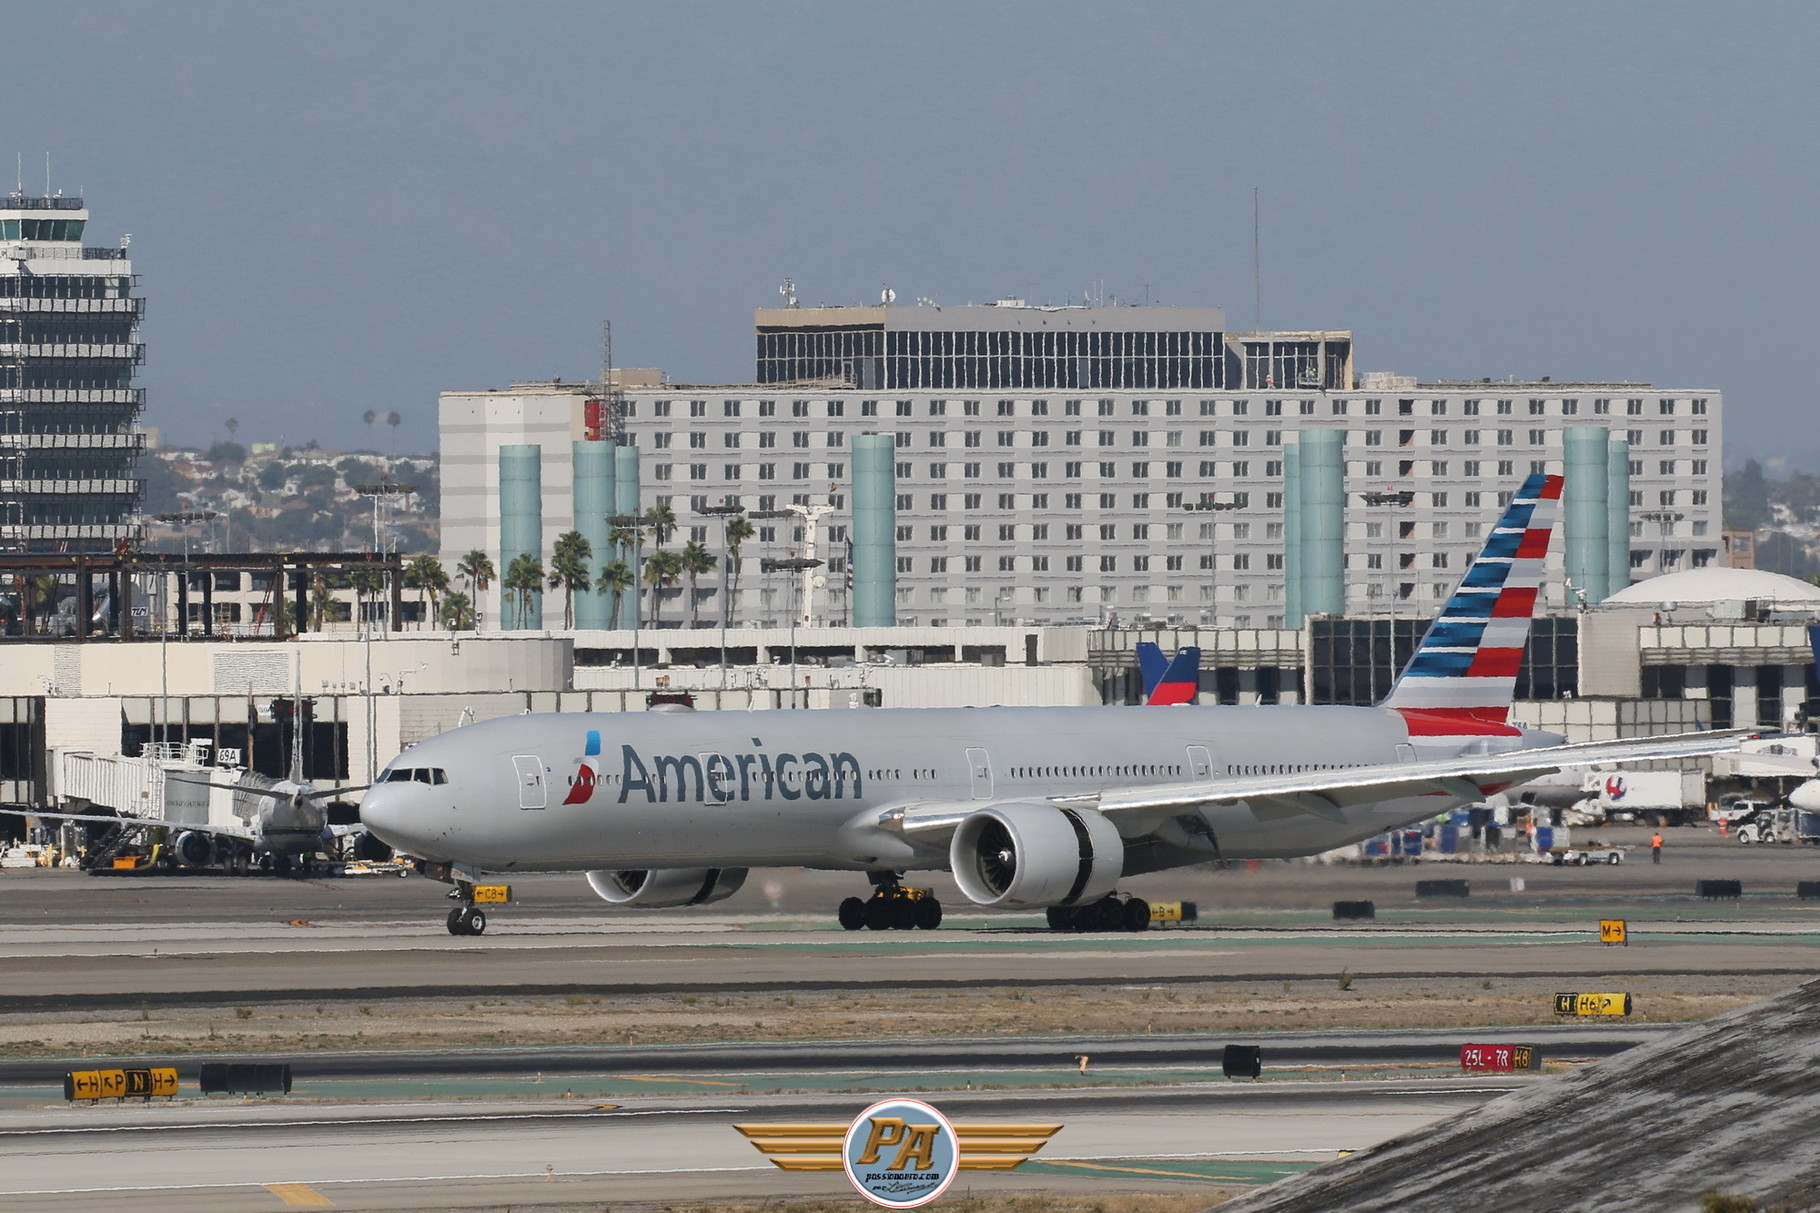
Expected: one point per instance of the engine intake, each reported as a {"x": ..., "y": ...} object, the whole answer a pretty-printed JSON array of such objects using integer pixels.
[
  {"x": 194, "y": 848},
  {"x": 659, "y": 888},
  {"x": 1026, "y": 855}
]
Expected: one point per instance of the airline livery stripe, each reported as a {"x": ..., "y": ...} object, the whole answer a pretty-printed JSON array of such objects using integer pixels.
[
  {"x": 1449, "y": 635},
  {"x": 1496, "y": 663},
  {"x": 1535, "y": 545},
  {"x": 1515, "y": 602},
  {"x": 1439, "y": 663}
]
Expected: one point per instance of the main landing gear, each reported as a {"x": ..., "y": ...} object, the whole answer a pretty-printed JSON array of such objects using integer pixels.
[
  {"x": 1110, "y": 913},
  {"x": 892, "y": 907}
]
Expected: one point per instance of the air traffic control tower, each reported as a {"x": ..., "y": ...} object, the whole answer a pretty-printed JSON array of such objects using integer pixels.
[{"x": 69, "y": 349}]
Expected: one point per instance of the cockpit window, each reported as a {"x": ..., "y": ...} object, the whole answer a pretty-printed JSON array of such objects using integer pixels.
[{"x": 432, "y": 775}]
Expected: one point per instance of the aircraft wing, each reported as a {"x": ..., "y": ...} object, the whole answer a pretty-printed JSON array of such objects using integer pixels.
[
  {"x": 1326, "y": 793},
  {"x": 140, "y": 822}
]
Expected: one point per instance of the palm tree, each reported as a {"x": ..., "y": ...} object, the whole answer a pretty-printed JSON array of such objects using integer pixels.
[
  {"x": 369, "y": 417},
  {"x": 458, "y": 612},
  {"x": 426, "y": 575},
  {"x": 615, "y": 579},
  {"x": 662, "y": 520},
  {"x": 367, "y": 583},
  {"x": 662, "y": 570},
  {"x": 394, "y": 420},
  {"x": 524, "y": 577},
  {"x": 738, "y": 531},
  {"x": 569, "y": 570},
  {"x": 477, "y": 569},
  {"x": 696, "y": 560},
  {"x": 322, "y": 601}
]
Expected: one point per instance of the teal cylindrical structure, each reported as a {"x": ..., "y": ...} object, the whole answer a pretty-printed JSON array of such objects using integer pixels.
[
  {"x": 1585, "y": 513},
  {"x": 594, "y": 502},
  {"x": 1292, "y": 537},
  {"x": 520, "y": 530},
  {"x": 1617, "y": 515},
  {"x": 874, "y": 531},
  {"x": 1322, "y": 478},
  {"x": 626, "y": 494}
]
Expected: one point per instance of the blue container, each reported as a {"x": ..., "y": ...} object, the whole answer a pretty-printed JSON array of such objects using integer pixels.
[
  {"x": 1450, "y": 839},
  {"x": 1378, "y": 848},
  {"x": 1412, "y": 842},
  {"x": 1545, "y": 838}
]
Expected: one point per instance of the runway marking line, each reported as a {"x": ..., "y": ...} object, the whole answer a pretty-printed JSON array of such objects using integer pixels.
[
  {"x": 1100, "y": 1166},
  {"x": 700, "y": 1082},
  {"x": 300, "y": 1196}
]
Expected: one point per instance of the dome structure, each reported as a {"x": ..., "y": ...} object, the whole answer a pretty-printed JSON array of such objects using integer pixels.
[{"x": 1713, "y": 584}]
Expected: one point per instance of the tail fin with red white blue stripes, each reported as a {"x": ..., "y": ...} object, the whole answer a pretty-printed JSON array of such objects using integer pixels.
[{"x": 1463, "y": 675}]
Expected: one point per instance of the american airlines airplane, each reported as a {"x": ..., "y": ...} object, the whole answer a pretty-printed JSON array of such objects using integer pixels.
[{"x": 1027, "y": 807}]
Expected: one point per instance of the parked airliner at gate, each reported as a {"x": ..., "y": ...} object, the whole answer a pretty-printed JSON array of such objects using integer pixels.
[{"x": 1027, "y": 807}]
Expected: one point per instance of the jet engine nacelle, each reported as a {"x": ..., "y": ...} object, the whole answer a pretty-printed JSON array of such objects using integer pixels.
[
  {"x": 194, "y": 848},
  {"x": 1022, "y": 855},
  {"x": 658, "y": 888}
]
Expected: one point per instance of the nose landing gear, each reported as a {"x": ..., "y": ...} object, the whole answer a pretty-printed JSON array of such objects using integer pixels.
[{"x": 467, "y": 920}]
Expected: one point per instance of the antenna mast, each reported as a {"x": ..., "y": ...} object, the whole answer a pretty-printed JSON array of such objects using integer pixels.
[
  {"x": 610, "y": 393},
  {"x": 1257, "y": 267}
]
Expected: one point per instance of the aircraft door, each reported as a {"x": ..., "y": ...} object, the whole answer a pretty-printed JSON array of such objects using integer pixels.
[
  {"x": 979, "y": 767},
  {"x": 532, "y": 793},
  {"x": 1200, "y": 763},
  {"x": 717, "y": 778}
]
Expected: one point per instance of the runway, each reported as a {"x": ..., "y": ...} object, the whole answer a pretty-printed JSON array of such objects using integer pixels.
[
  {"x": 548, "y": 1102},
  {"x": 525, "y": 1154}
]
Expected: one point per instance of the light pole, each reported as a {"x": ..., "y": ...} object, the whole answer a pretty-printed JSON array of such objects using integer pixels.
[
  {"x": 1208, "y": 505},
  {"x": 180, "y": 518},
  {"x": 1396, "y": 500},
  {"x": 726, "y": 514},
  {"x": 1665, "y": 519},
  {"x": 768, "y": 516},
  {"x": 790, "y": 564},
  {"x": 378, "y": 492}
]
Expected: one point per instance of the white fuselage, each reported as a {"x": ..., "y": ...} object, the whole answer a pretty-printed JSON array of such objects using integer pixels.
[{"x": 807, "y": 788}]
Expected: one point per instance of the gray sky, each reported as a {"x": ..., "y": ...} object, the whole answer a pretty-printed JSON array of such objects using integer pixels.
[{"x": 344, "y": 206}]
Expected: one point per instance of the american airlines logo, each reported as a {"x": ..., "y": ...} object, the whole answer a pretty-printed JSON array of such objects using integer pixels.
[{"x": 714, "y": 778}]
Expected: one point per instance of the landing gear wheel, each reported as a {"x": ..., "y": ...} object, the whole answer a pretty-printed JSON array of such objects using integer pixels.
[
  {"x": 903, "y": 914},
  {"x": 466, "y": 920},
  {"x": 457, "y": 921},
  {"x": 928, "y": 914},
  {"x": 1061, "y": 918},
  {"x": 853, "y": 914},
  {"x": 878, "y": 914},
  {"x": 1108, "y": 915},
  {"x": 1137, "y": 914},
  {"x": 477, "y": 921}
]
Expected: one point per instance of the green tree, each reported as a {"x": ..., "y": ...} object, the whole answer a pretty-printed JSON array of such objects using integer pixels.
[
  {"x": 662, "y": 570},
  {"x": 476, "y": 568},
  {"x": 322, "y": 601},
  {"x": 615, "y": 579},
  {"x": 662, "y": 520},
  {"x": 425, "y": 574},
  {"x": 368, "y": 584},
  {"x": 569, "y": 570},
  {"x": 695, "y": 560},
  {"x": 458, "y": 612},
  {"x": 1747, "y": 500},
  {"x": 738, "y": 531},
  {"x": 523, "y": 579}
]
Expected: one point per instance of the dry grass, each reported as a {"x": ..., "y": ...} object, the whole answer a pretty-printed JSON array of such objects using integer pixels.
[{"x": 996, "y": 1011}]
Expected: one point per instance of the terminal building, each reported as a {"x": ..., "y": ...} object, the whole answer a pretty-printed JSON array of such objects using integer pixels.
[
  {"x": 1092, "y": 465},
  {"x": 69, "y": 351}
]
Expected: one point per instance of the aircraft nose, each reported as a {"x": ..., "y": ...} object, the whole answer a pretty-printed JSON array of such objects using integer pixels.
[{"x": 386, "y": 811}]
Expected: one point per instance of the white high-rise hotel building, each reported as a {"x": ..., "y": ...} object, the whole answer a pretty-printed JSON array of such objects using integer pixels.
[{"x": 1046, "y": 456}]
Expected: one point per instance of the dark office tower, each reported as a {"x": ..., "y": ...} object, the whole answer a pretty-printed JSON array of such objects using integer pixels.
[{"x": 69, "y": 327}]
